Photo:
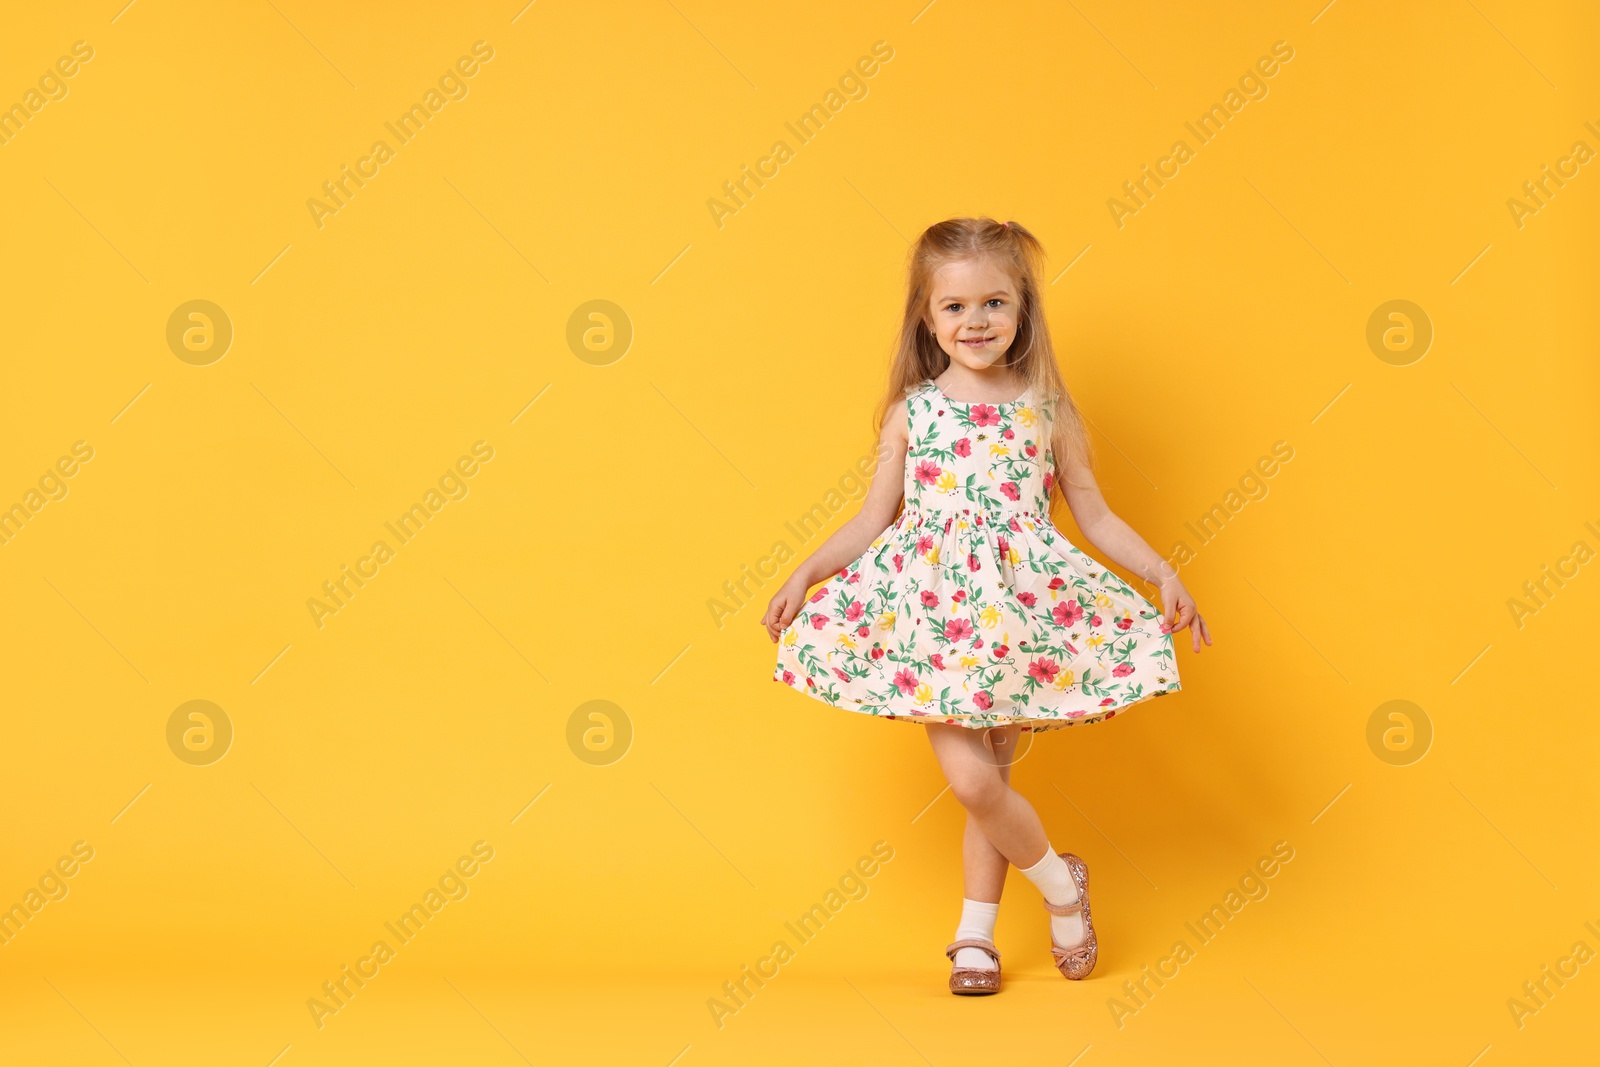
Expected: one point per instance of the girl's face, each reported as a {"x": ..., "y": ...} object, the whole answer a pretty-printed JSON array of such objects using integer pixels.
[{"x": 973, "y": 312}]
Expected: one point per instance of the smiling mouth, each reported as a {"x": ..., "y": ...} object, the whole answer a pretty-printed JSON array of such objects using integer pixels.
[{"x": 977, "y": 342}]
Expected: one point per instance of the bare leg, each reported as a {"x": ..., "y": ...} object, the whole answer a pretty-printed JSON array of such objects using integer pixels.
[
  {"x": 1003, "y": 816},
  {"x": 983, "y": 866}
]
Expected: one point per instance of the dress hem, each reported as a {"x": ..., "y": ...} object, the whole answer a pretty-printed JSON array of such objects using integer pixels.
[{"x": 978, "y": 720}]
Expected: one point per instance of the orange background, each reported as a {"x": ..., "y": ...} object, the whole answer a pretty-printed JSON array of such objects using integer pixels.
[{"x": 723, "y": 391}]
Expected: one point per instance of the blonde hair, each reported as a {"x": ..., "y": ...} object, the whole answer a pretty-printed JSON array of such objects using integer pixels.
[{"x": 1031, "y": 355}]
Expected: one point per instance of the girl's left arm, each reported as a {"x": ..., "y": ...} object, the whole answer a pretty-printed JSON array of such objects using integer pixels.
[{"x": 1122, "y": 545}]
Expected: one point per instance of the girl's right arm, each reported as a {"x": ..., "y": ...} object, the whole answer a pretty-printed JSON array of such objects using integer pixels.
[{"x": 878, "y": 511}]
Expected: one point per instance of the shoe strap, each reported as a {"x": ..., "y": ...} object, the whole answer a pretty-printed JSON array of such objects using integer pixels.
[
  {"x": 972, "y": 942},
  {"x": 1064, "y": 909}
]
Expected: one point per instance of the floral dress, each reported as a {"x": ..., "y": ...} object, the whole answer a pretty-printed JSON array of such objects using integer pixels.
[{"x": 972, "y": 608}]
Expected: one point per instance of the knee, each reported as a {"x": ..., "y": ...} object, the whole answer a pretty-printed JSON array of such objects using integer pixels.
[{"x": 978, "y": 790}]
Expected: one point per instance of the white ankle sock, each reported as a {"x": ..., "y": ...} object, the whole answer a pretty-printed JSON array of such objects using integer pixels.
[
  {"x": 977, "y": 920},
  {"x": 1054, "y": 879}
]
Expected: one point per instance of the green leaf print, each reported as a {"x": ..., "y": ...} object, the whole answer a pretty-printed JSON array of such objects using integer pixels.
[{"x": 979, "y": 494}]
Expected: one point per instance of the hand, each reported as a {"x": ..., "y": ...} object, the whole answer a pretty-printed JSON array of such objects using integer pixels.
[
  {"x": 783, "y": 608},
  {"x": 1178, "y": 608}
]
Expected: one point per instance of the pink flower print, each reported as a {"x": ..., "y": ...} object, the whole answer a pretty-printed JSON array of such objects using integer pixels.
[
  {"x": 1067, "y": 612},
  {"x": 972, "y": 562},
  {"x": 843, "y": 677},
  {"x": 854, "y": 611},
  {"x": 819, "y": 594},
  {"x": 1122, "y": 670},
  {"x": 788, "y": 677},
  {"x": 854, "y": 578},
  {"x": 898, "y": 560},
  {"x": 1049, "y": 480},
  {"x": 947, "y": 524},
  {"x": 977, "y": 642},
  {"x": 1166, "y": 627},
  {"x": 818, "y": 621},
  {"x": 928, "y": 472},
  {"x": 863, "y": 630},
  {"x": 937, "y": 659},
  {"x": 963, "y": 447},
  {"x": 1044, "y": 670},
  {"x": 1125, "y": 623},
  {"x": 982, "y": 700},
  {"x": 985, "y": 415},
  {"x": 1075, "y": 714},
  {"x": 906, "y": 681},
  {"x": 923, "y": 544},
  {"x": 1027, "y": 600},
  {"x": 811, "y": 683},
  {"x": 957, "y": 630},
  {"x": 1002, "y": 545},
  {"x": 977, "y": 520},
  {"x": 1011, "y": 490},
  {"x": 1107, "y": 700},
  {"x": 958, "y": 596},
  {"x": 1008, "y": 433},
  {"x": 930, "y": 600},
  {"x": 1016, "y": 527},
  {"x": 1095, "y": 621},
  {"x": 877, "y": 652}
]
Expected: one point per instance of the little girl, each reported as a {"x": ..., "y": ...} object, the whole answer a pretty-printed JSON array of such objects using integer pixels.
[{"x": 968, "y": 611}]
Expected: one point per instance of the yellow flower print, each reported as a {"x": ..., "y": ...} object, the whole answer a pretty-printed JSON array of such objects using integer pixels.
[
  {"x": 923, "y": 694},
  {"x": 946, "y": 482},
  {"x": 932, "y": 555},
  {"x": 1064, "y": 680},
  {"x": 998, "y": 449},
  {"x": 1012, "y": 555},
  {"x": 990, "y": 617},
  {"x": 968, "y": 662},
  {"x": 789, "y": 638},
  {"x": 1095, "y": 641},
  {"x": 886, "y": 621},
  {"x": 1026, "y": 416},
  {"x": 1102, "y": 601},
  {"x": 844, "y": 639}
]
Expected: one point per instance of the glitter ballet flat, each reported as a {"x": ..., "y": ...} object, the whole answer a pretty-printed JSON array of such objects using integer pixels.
[
  {"x": 1076, "y": 962},
  {"x": 974, "y": 981}
]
